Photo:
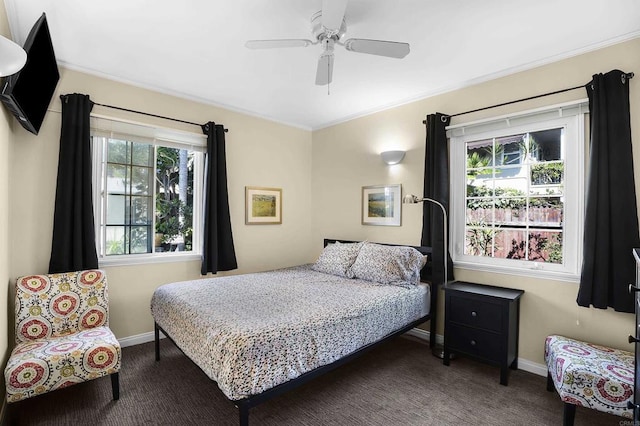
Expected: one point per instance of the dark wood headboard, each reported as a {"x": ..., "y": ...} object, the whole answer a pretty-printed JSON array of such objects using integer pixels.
[{"x": 425, "y": 275}]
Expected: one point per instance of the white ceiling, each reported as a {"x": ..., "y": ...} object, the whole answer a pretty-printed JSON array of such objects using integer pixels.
[{"x": 195, "y": 48}]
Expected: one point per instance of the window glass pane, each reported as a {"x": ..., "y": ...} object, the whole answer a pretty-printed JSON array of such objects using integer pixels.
[
  {"x": 115, "y": 241},
  {"x": 511, "y": 243},
  {"x": 139, "y": 239},
  {"x": 142, "y": 155},
  {"x": 547, "y": 246},
  {"x": 174, "y": 199},
  {"x": 511, "y": 211},
  {"x": 479, "y": 240},
  {"x": 118, "y": 151},
  {"x": 479, "y": 157},
  {"x": 117, "y": 179},
  {"x": 140, "y": 180},
  {"x": 141, "y": 210},
  {"x": 117, "y": 206},
  {"x": 509, "y": 150},
  {"x": 479, "y": 211},
  {"x": 546, "y": 211},
  {"x": 547, "y": 173},
  {"x": 548, "y": 144}
]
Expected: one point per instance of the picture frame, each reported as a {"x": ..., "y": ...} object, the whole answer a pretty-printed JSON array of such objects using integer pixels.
[
  {"x": 382, "y": 205},
  {"x": 263, "y": 206}
]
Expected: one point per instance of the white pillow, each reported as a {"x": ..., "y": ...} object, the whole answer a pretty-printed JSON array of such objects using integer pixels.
[
  {"x": 337, "y": 258},
  {"x": 399, "y": 265}
]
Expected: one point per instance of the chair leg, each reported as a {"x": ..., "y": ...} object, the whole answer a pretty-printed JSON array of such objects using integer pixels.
[
  {"x": 9, "y": 415},
  {"x": 569, "y": 414},
  {"x": 115, "y": 386},
  {"x": 550, "y": 386}
]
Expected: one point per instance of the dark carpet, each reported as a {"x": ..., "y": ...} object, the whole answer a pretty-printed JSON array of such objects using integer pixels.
[{"x": 398, "y": 383}]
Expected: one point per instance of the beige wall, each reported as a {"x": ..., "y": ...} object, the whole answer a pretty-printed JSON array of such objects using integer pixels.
[
  {"x": 5, "y": 155},
  {"x": 346, "y": 157},
  {"x": 259, "y": 152}
]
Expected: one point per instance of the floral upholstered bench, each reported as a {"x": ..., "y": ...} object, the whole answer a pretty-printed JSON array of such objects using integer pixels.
[{"x": 589, "y": 375}]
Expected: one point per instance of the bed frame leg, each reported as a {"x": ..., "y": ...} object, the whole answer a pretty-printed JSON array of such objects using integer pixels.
[
  {"x": 157, "y": 340},
  {"x": 243, "y": 411}
]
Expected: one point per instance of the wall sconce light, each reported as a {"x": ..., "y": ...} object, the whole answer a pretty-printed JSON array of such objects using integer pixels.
[
  {"x": 392, "y": 157},
  {"x": 12, "y": 57}
]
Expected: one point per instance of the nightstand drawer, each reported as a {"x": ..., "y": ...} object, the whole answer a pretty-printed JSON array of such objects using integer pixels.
[
  {"x": 475, "y": 342},
  {"x": 476, "y": 313}
]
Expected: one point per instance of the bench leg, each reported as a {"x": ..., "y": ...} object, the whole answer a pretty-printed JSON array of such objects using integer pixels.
[
  {"x": 156, "y": 333},
  {"x": 243, "y": 412},
  {"x": 569, "y": 414},
  {"x": 550, "y": 385}
]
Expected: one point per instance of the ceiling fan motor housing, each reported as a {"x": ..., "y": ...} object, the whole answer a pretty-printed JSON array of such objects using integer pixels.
[{"x": 321, "y": 33}]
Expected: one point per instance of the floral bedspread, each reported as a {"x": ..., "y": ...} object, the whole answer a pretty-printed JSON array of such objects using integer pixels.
[{"x": 252, "y": 332}]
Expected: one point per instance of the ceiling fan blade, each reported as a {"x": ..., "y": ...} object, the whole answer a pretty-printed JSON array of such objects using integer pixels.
[
  {"x": 333, "y": 13},
  {"x": 390, "y": 49},
  {"x": 273, "y": 44},
  {"x": 324, "y": 74}
]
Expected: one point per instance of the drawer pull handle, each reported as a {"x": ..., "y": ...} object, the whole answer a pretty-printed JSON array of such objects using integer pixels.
[
  {"x": 633, "y": 339},
  {"x": 633, "y": 288},
  {"x": 474, "y": 314},
  {"x": 473, "y": 343}
]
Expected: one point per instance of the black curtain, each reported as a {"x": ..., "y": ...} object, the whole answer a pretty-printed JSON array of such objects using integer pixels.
[
  {"x": 74, "y": 241},
  {"x": 611, "y": 220},
  {"x": 218, "y": 252},
  {"x": 436, "y": 186}
]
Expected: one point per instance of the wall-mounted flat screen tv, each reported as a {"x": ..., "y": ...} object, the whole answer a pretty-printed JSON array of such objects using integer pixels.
[{"x": 28, "y": 92}]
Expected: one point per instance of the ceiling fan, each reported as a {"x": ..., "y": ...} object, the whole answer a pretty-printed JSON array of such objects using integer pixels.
[{"x": 329, "y": 27}]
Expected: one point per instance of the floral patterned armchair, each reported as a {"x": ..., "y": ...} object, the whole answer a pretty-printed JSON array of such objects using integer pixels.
[{"x": 62, "y": 334}]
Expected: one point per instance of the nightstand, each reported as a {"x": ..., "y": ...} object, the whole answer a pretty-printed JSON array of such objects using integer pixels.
[{"x": 482, "y": 322}]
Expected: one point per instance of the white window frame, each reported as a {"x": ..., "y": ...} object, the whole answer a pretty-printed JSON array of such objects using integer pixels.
[
  {"x": 104, "y": 128},
  {"x": 571, "y": 117}
]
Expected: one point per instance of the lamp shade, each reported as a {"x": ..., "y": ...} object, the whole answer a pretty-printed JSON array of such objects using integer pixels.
[
  {"x": 392, "y": 157},
  {"x": 411, "y": 199},
  {"x": 12, "y": 57}
]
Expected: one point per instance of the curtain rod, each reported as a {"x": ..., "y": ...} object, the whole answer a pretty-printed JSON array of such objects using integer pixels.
[
  {"x": 445, "y": 117},
  {"x": 151, "y": 115}
]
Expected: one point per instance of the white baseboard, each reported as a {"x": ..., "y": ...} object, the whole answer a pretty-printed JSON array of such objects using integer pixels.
[
  {"x": 425, "y": 335},
  {"x": 532, "y": 367},
  {"x": 523, "y": 364},
  {"x": 138, "y": 339}
]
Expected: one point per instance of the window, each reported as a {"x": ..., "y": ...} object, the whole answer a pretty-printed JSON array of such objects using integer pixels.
[
  {"x": 517, "y": 192},
  {"x": 148, "y": 195}
]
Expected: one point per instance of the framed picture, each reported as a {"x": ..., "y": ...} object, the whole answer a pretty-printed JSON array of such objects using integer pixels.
[
  {"x": 381, "y": 205},
  {"x": 263, "y": 206}
]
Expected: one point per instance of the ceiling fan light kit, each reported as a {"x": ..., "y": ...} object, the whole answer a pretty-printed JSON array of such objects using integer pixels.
[{"x": 328, "y": 27}]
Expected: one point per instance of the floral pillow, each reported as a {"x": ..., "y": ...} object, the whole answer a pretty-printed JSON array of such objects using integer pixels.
[
  {"x": 397, "y": 265},
  {"x": 337, "y": 258}
]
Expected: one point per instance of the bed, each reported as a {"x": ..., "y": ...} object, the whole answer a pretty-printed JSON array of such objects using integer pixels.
[{"x": 259, "y": 335}]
